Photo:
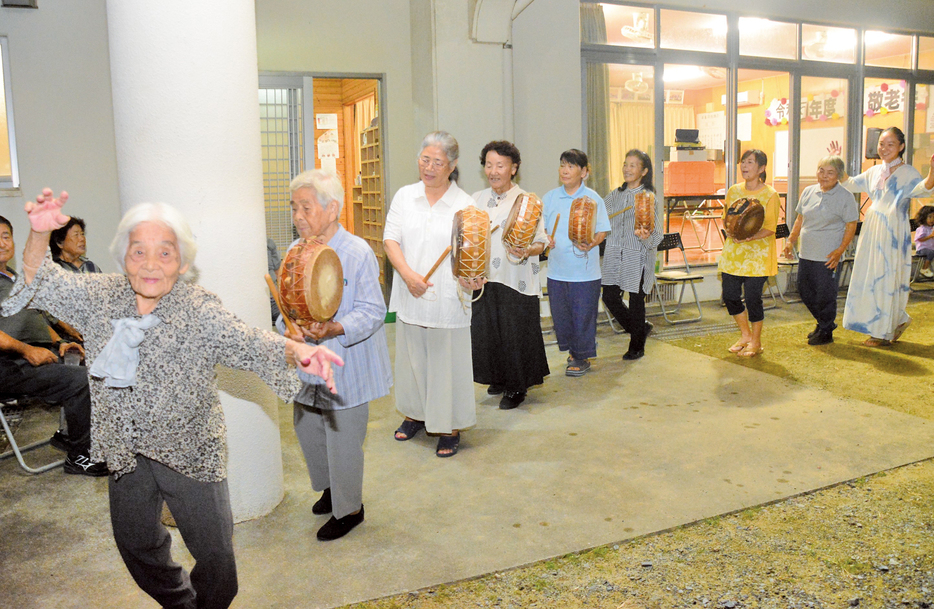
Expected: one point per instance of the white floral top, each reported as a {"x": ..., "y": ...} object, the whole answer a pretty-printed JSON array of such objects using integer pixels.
[{"x": 173, "y": 414}]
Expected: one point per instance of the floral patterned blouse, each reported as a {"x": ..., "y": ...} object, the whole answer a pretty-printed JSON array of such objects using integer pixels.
[
  {"x": 757, "y": 258},
  {"x": 173, "y": 414}
]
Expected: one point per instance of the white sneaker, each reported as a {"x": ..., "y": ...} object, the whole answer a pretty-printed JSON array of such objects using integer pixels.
[{"x": 926, "y": 273}]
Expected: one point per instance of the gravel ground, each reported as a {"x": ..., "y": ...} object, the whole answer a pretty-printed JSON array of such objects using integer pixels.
[{"x": 865, "y": 543}]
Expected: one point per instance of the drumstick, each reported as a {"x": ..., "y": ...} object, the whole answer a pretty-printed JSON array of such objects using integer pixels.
[
  {"x": 437, "y": 264},
  {"x": 495, "y": 228},
  {"x": 558, "y": 217},
  {"x": 275, "y": 294},
  {"x": 616, "y": 213}
]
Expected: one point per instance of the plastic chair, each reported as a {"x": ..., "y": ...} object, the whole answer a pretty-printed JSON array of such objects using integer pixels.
[
  {"x": 8, "y": 408},
  {"x": 788, "y": 264},
  {"x": 674, "y": 276},
  {"x": 845, "y": 266}
]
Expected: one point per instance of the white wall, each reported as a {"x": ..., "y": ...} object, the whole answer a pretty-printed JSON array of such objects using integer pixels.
[
  {"x": 63, "y": 115},
  {"x": 470, "y": 89},
  {"x": 340, "y": 37},
  {"x": 547, "y": 85}
]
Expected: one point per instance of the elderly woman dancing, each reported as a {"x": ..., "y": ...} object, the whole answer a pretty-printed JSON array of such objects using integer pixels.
[
  {"x": 152, "y": 342},
  {"x": 826, "y": 224}
]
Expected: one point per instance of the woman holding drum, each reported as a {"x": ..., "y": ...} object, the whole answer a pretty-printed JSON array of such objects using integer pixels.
[
  {"x": 826, "y": 223},
  {"x": 748, "y": 260},
  {"x": 434, "y": 384},
  {"x": 579, "y": 224},
  {"x": 878, "y": 292},
  {"x": 506, "y": 330},
  {"x": 629, "y": 259}
]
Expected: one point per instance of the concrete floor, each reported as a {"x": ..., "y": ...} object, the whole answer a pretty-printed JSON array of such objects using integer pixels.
[{"x": 630, "y": 449}]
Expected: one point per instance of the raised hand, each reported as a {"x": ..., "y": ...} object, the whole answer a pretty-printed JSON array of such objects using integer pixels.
[
  {"x": 834, "y": 148},
  {"x": 45, "y": 214},
  {"x": 318, "y": 361}
]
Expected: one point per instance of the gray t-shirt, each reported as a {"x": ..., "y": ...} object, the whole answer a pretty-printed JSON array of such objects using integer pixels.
[
  {"x": 825, "y": 216},
  {"x": 28, "y": 326}
]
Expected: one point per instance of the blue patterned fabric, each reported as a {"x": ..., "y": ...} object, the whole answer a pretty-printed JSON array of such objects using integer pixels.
[{"x": 878, "y": 292}]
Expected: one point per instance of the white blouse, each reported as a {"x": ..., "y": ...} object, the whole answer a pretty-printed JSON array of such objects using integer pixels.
[
  {"x": 521, "y": 276},
  {"x": 423, "y": 231}
]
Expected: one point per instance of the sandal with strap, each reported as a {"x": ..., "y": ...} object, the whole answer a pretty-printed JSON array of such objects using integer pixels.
[
  {"x": 877, "y": 342},
  {"x": 408, "y": 430},
  {"x": 449, "y": 444},
  {"x": 900, "y": 330},
  {"x": 577, "y": 367}
]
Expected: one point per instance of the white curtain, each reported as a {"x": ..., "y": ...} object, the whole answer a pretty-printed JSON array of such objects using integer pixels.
[
  {"x": 364, "y": 111},
  {"x": 632, "y": 125}
]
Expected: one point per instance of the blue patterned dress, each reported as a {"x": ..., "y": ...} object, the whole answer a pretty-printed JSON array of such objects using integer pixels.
[{"x": 878, "y": 292}]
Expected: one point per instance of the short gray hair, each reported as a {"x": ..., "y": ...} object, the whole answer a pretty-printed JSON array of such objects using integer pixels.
[
  {"x": 446, "y": 142},
  {"x": 836, "y": 162},
  {"x": 326, "y": 185},
  {"x": 163, "y": 214}
]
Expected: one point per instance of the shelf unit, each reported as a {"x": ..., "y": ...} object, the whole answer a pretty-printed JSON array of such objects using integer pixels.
[{"x": 369, "y": 208}]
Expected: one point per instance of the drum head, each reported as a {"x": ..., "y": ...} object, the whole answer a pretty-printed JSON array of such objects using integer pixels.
[
  {"x": 744, "y": 219},
  {"x": 324, "y": 283}
]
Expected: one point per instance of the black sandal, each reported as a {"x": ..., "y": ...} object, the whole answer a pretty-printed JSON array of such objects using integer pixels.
[
  {"x": 448, "y": 443},
  {"x": 409, "y": 429}
]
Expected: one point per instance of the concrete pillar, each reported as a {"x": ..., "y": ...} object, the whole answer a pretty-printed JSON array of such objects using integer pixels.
[{"x": 186, "y": 116}]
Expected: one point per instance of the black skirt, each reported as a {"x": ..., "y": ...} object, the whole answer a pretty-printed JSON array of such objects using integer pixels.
[{"x": 506, "y": 336}]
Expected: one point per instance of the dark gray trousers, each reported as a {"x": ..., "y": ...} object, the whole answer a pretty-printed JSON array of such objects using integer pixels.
[
  {"x": 332, "y": 442},
  {"x": 817, "y": 286},
  {"x": 202, "y": 512}
]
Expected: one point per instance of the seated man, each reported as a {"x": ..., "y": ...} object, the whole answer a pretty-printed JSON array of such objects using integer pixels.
[{"x": 30, "y": 366}]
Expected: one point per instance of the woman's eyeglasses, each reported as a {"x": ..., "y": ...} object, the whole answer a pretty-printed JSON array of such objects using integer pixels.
[{"x": 433, "y": 163}]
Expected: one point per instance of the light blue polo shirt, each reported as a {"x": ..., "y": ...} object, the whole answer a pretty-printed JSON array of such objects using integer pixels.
[{"x": 566, "y": 262}]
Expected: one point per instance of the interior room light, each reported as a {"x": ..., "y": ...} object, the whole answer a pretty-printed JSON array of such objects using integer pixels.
[
  {"x": 639, "y": 30},
  {"x": 875, "y": 37},
  {"x": 757, "y": 23},
  {"x": 679, "y": 73}
]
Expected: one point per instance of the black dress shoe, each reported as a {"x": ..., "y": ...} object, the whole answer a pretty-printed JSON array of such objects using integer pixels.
[
  {"x": 511, "y": 399},
  {"x": 816, "y": 331},
  {"x": 335, "y": 528},
  {"x": 821, "y": 338},
  {"x": 60, "y": 441},
  {"x": 631, "y": 355},
  {"x": 323, "y": 505},
  {"x": 495, "y": 389}
]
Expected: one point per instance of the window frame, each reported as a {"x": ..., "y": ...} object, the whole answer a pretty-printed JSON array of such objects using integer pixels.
[{"x": 10, "y": 185}]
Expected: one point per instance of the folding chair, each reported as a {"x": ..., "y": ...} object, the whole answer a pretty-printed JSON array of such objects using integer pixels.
[
  {"x": 671, "y": 241},
  {"x": 788, "y": 264},
  {"x": 916, "y": 260},
  {"x": 845, "y": 266},
  {"x": 544, "y": 306},
  {"x": 11, "y": 411}
]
